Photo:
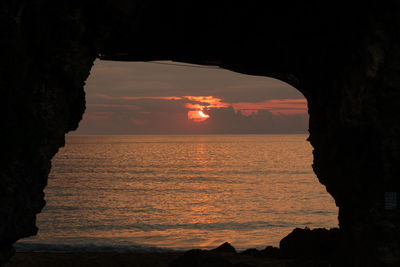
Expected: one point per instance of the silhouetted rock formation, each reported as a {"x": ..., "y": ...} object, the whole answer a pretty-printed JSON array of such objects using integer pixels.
[
  {"x": 268, "y": 252},
  {"x": 201, "y": 258},
  {"x": 204, "y": 258},
  {"x": 344, "y": 59},
  {"x": 225, "y": 248},
  {"x": 305, "y": 243}
]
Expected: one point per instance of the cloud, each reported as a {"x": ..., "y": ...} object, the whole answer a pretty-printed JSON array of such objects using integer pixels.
[
  {"x": 99, "y": 115},
  {"x": 104, "y": 96},
  {"x": 110, "y": 106},
  {"x": 227, "y": 120},
  {"x": 285, "y": 106},
  {"x": 174, "y": 115},
  {"x": 208, "y": 101},
  {"x": 140, "y": 98}
]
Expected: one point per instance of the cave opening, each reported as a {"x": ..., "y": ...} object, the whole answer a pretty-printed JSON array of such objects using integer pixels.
[{"x": 146, "y": 169}]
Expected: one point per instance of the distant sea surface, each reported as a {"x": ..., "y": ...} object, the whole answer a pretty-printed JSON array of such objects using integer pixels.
[{"x": 144, "y": 192}]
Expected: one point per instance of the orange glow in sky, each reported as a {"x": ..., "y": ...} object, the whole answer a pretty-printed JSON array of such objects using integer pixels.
[
  {"x": 275, "y": 106},
  {"x": 196, "y": 105}
]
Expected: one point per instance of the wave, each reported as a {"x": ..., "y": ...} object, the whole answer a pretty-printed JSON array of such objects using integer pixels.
[
  {"x": 188, "y": 226},
  {"x": 120, "y": 248}
]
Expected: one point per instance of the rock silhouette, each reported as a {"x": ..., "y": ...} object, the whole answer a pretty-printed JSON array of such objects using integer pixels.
[
  {"x": 316, "y": 244},
  {"x": 344, "y": 59},
  {"x": 225, "y": 248},
  {"x": 201, "y": 258}
]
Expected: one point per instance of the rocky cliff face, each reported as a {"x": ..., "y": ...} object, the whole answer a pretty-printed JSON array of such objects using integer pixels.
[
  {"x": 345, "y": 60},
  {"x": 44, "y": 64}
]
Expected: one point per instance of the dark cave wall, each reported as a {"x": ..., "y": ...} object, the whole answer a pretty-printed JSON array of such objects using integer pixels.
[
  {"x": 44, "y": 63},
  {"x": 344, "y": 60},
  {"x": 354, "y": 130}
]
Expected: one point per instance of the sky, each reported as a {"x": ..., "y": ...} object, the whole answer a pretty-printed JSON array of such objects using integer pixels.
[{"x": 177, "y": 98}]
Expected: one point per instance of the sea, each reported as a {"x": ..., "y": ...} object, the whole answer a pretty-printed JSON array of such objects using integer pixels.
[{"x": 178, "y": 192}]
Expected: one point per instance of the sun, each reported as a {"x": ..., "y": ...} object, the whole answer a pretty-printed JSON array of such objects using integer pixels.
[
  {"x": 197, "y": 115},
  {"x": 202, "y": 115}
]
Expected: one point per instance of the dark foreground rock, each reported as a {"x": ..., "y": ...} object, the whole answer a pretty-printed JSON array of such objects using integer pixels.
[
  {"x": 314, "y": 244},
  {"x": 294, "y": 253},
  {"x": 201, "y": 258},
  {"x": 110, "y": 259},
  {"x": 225, "y": 248},
  {"x": 6, "y": 253},
  {"x": 344, "y": 59},
  {"x": 207, "y": 258},
  {"x": 222, "y": 256},
  {"x": 271, "y": 252},
  {"x": 268, "y": 252},
  {"x": 92, "y": 259}
]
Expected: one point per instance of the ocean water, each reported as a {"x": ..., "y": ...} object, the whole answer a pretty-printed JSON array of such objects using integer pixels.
[{"x": 179, "y": 192}]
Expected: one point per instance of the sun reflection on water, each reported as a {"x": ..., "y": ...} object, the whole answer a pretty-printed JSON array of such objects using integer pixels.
[{"x": 183, "y": 191}]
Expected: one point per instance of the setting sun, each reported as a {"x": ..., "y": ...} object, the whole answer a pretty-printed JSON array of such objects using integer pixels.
[
  {"x": 201, "y": 114},
  {"x": 197, "y": 115}
]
